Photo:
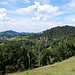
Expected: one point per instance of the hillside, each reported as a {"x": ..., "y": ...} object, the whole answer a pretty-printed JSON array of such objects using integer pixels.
[
  {"x": 11, "y": 34},
  {"x": 63, "y": 68},
  {"x": 58, "y": 32},
  {"x": 28, "y": 52}
]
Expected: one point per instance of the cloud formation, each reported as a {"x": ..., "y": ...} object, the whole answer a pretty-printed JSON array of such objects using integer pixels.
[
  {"x": 69, "y": 6},
  {"x": 30, "y": 16},
  {"x": 37, "y": 18},
  {"x": 39, "y": 10},
  {"x": 4, "y": 3},
  {"x": 47, "y": 9},
  {"x": 12, "y": 0},
  {"x": 43, "y": 1},
  {"x": 27, "y": 25},
  {"x": 37, "y": 7},
  {"x": 26, "y": 1},
  {"x": 3, "y": 15}
]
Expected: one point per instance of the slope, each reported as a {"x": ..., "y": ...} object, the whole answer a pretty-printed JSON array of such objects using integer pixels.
[
  {"x": 11, "y": 33},
  {"x": 59, "y": 32},
  {"x": 66, "y": 67}
]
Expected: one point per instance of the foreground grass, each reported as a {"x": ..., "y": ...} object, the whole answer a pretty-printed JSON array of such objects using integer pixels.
[{"x": 66, "y": 67}]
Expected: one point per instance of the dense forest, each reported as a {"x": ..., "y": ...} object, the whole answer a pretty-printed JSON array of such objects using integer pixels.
[{"x": 25, "y": 52}]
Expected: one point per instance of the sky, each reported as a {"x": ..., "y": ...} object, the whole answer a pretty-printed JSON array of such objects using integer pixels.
[{"x": 36, "y": 15}]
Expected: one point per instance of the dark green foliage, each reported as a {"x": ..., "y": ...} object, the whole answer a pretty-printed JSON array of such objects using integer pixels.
[
  {"x": 37, "y": 50},
  {"x": 3, "y": 39},
  {"x": 59, "y": 32}
]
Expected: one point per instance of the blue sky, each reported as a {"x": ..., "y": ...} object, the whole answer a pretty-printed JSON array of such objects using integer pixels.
[{"x": 36, "y": 15}]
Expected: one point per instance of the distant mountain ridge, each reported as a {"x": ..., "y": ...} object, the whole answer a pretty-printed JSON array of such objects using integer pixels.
[
  {"x": 56, "y": 32},
  {"x": 11, "y": 33}
]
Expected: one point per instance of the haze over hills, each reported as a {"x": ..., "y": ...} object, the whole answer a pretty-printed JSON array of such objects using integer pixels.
[
  {"x": 11, "y": 33},
  {"x": 53, "y": 32}
]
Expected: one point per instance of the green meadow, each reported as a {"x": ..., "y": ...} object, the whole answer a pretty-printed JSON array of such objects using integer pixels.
[{"x": 66, "y": 67}]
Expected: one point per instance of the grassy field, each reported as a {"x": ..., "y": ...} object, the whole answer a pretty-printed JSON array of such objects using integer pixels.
[{"x": 66, "y": 67}]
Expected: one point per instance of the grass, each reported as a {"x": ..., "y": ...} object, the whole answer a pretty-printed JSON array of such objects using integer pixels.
[
  {"x": 18, "y": 38},
  {"x": 66, "y": 67}
]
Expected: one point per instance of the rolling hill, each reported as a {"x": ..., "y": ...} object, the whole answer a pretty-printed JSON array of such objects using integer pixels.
[
  {"x": 58, "y": 32},
  {"x": 40, "y": 49},
  {"x": 11, "y": 34},
  {"x": 65, "y": 67}
]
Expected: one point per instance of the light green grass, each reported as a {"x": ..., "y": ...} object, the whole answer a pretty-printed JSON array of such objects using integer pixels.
[
  {"x": 18, "y": 38},
  {"x": 66, "y": 67}
]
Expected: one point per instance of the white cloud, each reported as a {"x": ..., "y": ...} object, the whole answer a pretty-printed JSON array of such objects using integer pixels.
[
  {"x": 37, "y": 9},
  {"x": 44, "y": 1},
  {"x": 3, "y": 15},
  {"x": 37, "y": 18},
  {"x": 73, "y": 20},
  {"x": 47, "y": 9},
  {"x": 70, "y": 19},
  {"x": 4, "y": 3},
  {"x": 43, "y": 9},
  {"x": 27, "y": 25},
  {"x": 44, "y": 19},
  {"x": 36, "y": 4},
  {"x": 2, "y": 10},
  {"x": 28, "y": 10},
  {"x": 68, "y": 12},
  {"x": 13, "y": 0},
  {"x": 26, "y": 1},
  {"x": 69, "y": 6}
]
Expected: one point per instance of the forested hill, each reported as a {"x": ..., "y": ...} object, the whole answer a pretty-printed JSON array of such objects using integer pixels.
[
  {"x": 11, "y": 33},
  {"x": 35, "y": 50},
  {"x": 59, "y": 31},
  {"x": 56, "y": 32}
]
